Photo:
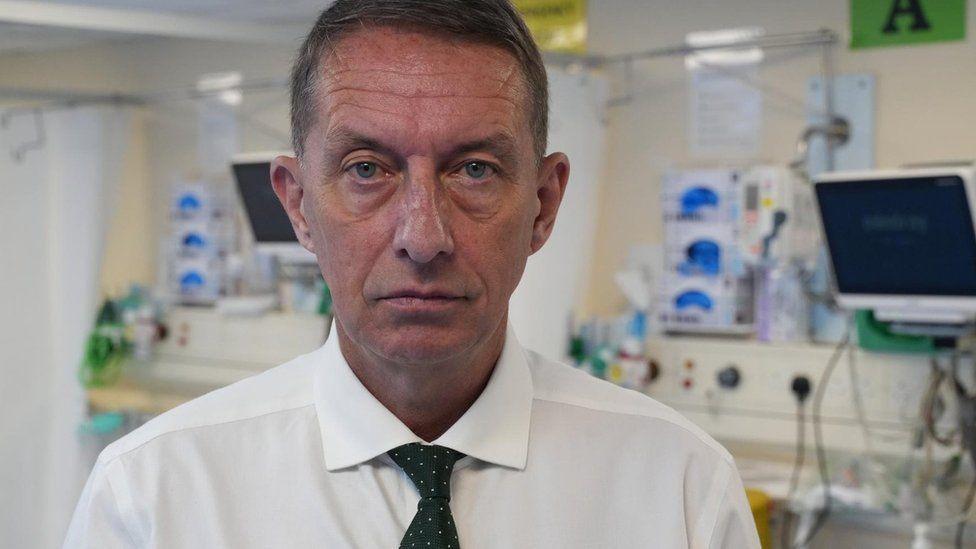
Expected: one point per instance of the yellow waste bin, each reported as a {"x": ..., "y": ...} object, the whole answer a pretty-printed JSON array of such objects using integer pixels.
[{"x": 759, "y": 502}]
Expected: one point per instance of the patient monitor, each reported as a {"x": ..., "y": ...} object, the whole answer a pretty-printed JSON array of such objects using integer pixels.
[
  {"x": 902, "y": 243},
  {"x": 273, "y": 233}
]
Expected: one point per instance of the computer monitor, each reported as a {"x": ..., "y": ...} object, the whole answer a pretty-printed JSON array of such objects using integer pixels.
[
  {"x": 273, "y": 233},
  {"x": 902, "y": 243}
]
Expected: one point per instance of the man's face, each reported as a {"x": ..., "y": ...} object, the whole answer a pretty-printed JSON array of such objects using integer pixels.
[{"x": 419, "y": 191}]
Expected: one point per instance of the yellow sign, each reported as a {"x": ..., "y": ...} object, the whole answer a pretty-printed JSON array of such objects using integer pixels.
[{"x": 556, "y": 25}]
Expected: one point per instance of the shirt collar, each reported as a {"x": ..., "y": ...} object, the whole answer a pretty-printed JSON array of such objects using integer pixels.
[{"x": 356, "y": 427}]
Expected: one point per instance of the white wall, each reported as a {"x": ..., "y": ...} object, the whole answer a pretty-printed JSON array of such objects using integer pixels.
[
  {"x": 163, "y": 135},
  {"x": 923, "y": 95},
  {"x": 557, "y": 275},
  {"x": 924, "y": 103},
  {"x": 924, "y": 112},
  {"x": 165, "y": 150}
]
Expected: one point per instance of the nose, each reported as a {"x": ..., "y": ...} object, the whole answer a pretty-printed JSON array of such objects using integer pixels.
[{"x": 423, "y": 231}]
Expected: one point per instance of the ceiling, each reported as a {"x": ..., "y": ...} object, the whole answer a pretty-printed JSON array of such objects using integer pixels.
[
  {"x": 19, "y": 37},
  {"x": 15, "y": 37},
  {"x": 259, "y": 11}
]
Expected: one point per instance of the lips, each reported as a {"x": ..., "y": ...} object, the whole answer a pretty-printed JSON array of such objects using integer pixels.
[
  {"x": 422, "y": 301},
  {"x": 421, "y": 294}
]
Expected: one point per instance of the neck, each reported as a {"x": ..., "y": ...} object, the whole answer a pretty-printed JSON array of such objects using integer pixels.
[{"x": 427, "y": 404}]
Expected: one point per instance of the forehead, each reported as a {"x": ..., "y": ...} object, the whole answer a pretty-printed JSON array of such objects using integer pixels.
[{"x": 420, "y": 84}]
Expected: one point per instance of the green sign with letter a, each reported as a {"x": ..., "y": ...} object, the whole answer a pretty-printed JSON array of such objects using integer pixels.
[{"x": 877, "y": 23}]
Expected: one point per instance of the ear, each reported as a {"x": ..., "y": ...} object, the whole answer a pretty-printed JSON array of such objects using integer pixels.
[
  {"x": 286, "y": 180},
  {"x": 553, "y": 177}
]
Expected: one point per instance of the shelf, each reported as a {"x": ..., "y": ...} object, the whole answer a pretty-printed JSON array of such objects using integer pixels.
[{"x": 127, "y": 396}]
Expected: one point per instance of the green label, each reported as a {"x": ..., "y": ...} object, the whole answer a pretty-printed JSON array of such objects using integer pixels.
[{"x": 877, "y": 23}]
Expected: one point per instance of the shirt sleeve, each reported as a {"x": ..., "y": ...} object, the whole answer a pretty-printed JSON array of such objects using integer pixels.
[
  {"x": 98, "y": 521},
  {"x": 735, "y": 527}
]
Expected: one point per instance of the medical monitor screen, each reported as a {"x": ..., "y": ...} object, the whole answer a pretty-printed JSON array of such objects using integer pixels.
[
  {"x": 906, "y": 236},
  {"x": 268, "y": 219}
]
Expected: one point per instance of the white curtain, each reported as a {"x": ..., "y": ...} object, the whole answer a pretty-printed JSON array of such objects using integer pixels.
[
  {"x": 55, "y": 202},
  {"x": 555, "y": 279}
]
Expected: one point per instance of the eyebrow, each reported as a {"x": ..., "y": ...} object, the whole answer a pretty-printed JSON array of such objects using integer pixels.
[
  {"x": 342, "y": 140},
  {"x": 502, "y": 145}
]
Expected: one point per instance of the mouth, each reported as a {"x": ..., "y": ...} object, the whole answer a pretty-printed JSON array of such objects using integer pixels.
[{"x": 412, "y": 301}]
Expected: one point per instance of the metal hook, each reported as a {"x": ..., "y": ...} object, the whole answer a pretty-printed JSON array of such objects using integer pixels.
[
  {"x": 20, "y": 151},
  {"x": 837, "y": 132}
]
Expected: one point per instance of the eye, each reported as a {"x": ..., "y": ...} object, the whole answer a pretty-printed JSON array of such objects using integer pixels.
[
  {"x": 477, "y": 170},
  {"x": 365, "y": 170}
]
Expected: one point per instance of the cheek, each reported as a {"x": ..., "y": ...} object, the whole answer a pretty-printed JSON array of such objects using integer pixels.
[
  {"x": 353, "y": 201},
  {"x": 478, "y": 202},
  {"x": 498, "y": 249},
  {"x": 348, "y": 244}
]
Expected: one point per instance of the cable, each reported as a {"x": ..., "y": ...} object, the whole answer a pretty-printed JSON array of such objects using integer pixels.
[
  {"x": 929, "y": 400},
  {"x": 876, "y": 467},
  {"x": 929, "y": 414},
  {"x": 859, "y": 401},
  {"x": 967, "y": 430},
  {"x": 800, "y": 448},
  {"x": 961, "y": 528},
  {"x": 954, "y": 520},
  {"x": 797, "y": 463},
  {"x": 800, "y": 386},
  {"x": 818, "y": 396}
]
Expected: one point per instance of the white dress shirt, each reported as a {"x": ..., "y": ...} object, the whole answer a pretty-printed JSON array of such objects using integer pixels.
[{"x": 296, "y": 458}]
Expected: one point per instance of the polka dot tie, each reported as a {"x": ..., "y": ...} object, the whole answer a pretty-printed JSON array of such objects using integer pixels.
[{"x": 429, "y": 468}]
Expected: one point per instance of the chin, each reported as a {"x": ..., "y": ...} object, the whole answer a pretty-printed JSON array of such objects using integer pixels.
[{"x": 423, "y": 344}]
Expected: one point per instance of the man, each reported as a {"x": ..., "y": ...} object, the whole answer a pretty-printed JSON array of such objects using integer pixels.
[{"x": 420, "y": 183}]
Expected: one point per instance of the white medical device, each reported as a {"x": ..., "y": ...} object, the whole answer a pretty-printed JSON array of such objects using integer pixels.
[
  {"x": 273, "y": 233},
  {"x": 902, "y": 242}
]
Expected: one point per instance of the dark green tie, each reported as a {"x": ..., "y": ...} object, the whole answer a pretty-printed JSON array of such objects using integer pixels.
[{"x": 429, "y": 468}]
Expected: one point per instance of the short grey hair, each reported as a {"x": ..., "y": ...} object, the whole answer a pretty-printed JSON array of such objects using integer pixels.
[{"x": 493, "y": 22}]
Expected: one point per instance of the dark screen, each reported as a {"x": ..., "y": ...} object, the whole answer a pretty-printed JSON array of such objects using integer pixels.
[
  {"x": 267, "y": 217},
  {"x": 900, "y": 236}
]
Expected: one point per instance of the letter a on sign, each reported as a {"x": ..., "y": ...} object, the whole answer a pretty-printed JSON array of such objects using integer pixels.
[
  {"x": 877, "y": 23},
  {"x": 911, "y": 8}
]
